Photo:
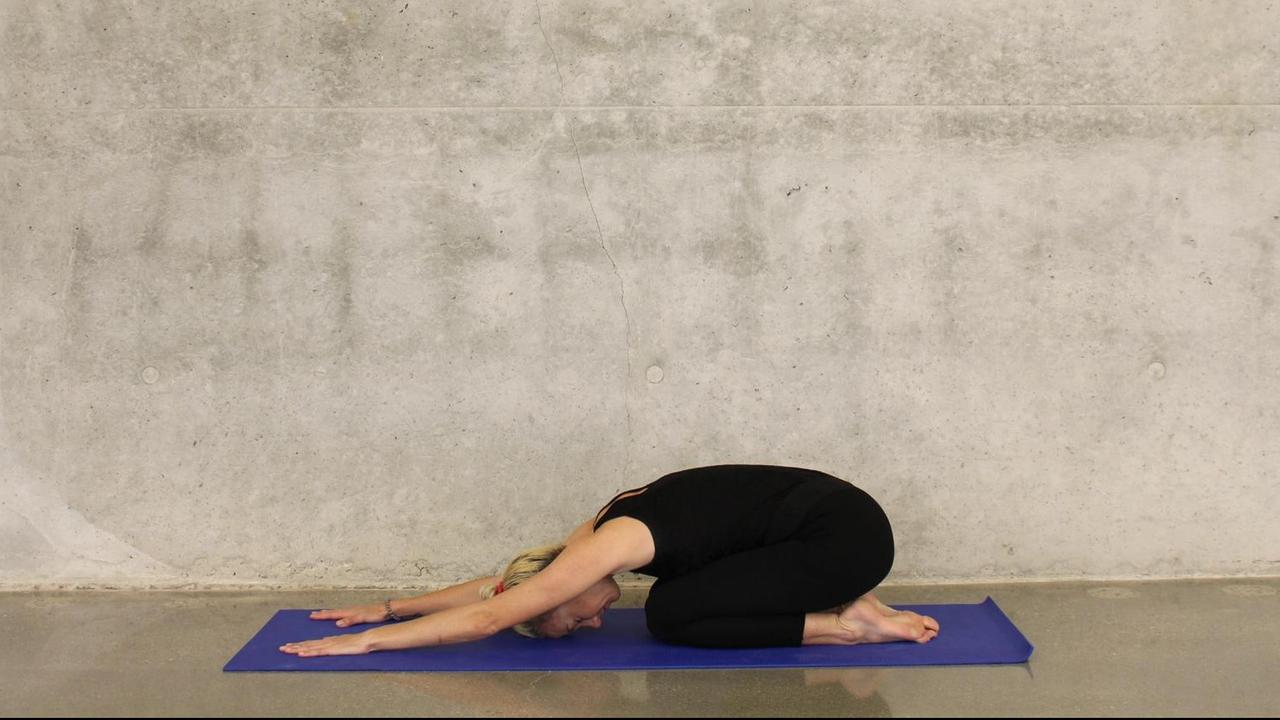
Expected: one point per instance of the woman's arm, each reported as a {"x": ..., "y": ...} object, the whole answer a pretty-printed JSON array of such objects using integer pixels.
[
  {"x": 466, "y": 593},
  {"x": 463, "y": 623},
  {"x": 455, "y": 625},
  {"x": 577, "y": 568},
  {"x": 457, "y": 596}
]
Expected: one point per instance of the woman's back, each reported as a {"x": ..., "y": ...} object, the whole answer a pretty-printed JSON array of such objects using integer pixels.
[{"x": 702, "y": 514}]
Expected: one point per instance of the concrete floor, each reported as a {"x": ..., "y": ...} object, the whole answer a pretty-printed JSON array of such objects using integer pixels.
[{"x": 1209, "y": 647}]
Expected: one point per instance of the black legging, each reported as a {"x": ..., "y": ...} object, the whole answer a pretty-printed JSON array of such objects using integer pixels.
[{"x": 842, "y": 549}]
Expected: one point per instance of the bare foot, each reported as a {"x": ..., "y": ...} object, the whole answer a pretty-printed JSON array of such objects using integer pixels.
[
  {"x": 889, "y": 612},
  {"x": 867, "y": 623},
  {"x": 884, "y": 609}
]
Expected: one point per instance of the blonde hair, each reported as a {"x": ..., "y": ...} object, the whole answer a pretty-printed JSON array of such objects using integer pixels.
[{"x": 526, "y": 565}]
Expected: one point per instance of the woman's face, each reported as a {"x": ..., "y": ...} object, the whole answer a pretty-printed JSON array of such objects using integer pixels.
[{"x": 586, "y": 610}]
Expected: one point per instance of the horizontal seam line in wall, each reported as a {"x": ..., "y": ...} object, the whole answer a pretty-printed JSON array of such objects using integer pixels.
[{"x": 564, "y": 108}]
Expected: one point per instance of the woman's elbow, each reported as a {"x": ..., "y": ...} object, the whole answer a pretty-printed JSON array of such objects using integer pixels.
[{"x": 486, "y": 623}]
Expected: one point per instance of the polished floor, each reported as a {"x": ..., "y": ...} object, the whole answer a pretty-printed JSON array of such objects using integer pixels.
[{"x": 1169, "y": 648}]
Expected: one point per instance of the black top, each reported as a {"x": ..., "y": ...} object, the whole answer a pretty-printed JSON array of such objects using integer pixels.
[{"x": 699, "y": 515}]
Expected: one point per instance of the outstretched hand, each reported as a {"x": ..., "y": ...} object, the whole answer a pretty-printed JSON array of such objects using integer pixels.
[
  {"x": 354, "y": 644},
  {"x": 358, "y": 615}
]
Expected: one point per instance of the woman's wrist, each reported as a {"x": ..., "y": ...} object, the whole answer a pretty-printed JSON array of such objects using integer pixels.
[
  {"x": 466, "y": 593},
  {"x": 395, "y": 636},
  {"x": 403, "y": 608},
  {"x": 390, "y": 612},
  {"x": 369, "y": 640}
]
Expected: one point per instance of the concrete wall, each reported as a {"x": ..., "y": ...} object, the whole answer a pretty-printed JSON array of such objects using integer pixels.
[{"x": 369, "y": 292}]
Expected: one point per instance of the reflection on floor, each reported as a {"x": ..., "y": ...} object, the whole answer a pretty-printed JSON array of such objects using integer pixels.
[{"x": 1208, "y": 647}]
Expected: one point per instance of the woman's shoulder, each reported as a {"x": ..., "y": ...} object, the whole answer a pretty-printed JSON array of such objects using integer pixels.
[{"x": 626, "y": 538}]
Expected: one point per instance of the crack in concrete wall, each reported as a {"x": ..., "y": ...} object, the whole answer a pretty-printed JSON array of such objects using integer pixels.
[{"x": 622, "y": 289}]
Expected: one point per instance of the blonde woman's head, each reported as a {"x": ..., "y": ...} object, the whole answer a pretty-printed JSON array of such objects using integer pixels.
[{"x": 585, "y": 610}]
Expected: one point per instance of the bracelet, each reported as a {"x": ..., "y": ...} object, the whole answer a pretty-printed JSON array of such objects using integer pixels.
[{"x": 391, "y": 614}]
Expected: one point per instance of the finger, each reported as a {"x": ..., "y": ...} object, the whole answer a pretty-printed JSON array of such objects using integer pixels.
[
  {"x": 306, "y": 649},
  {"x": 325, "y": 614},
  {"x": 316, "y": 648},
  {"x": 302, "y": 644}
]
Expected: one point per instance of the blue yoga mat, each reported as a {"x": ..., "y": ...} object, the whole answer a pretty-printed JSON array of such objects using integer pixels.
[
  {"x": 972, "y": 634},
  {"x": 978, "y": 634}
]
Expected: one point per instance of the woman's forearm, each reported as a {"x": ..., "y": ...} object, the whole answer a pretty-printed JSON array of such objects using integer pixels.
[
  {"x": 458, "y": 595},
  {"x": 455, "y": 625}
]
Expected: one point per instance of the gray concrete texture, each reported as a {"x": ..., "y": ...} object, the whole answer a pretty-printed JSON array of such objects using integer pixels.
[{"x": 377, "y": 293}]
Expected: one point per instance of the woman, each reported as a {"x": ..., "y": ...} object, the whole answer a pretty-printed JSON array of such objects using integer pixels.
[{"x": 744, "y": 556}]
